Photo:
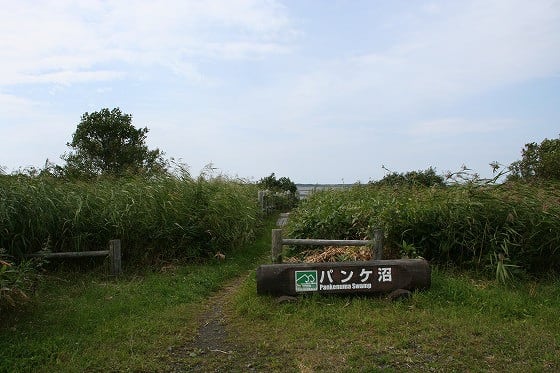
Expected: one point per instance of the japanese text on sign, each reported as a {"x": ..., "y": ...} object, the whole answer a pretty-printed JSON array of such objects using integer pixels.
[{"x": 342, "y": 278}]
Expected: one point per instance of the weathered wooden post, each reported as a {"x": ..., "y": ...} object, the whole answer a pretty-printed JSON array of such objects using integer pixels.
[
  {"x": 261, "y": 199},
  {"x": 378, "y": 242},
  {"x": 276, "y": 250},
  {"x": 115, "y": 257}
]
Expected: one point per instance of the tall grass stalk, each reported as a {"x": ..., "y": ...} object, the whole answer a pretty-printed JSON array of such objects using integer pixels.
[
  {"x": 157, "y": 218},
  {"x": 464, "y": 225}
]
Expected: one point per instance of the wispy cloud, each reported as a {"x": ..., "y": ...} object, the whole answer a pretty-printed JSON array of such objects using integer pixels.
[
  {"x": 481, "y": 44},
  {"x": 65, "y": 42},
  {"x": 459, "y": 126},
  {"x": 11, "y": 104},
  {"x": 442, "y": 55},
  {"x": 280, "y": 78}
]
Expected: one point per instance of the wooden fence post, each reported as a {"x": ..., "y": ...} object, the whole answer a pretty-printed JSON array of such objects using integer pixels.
[
  {"x": 115, "y": 257},
  {"x": 276, "y": 250},
  {"x": 261, "y": 199},
  {"x": 378, "y": 238}
]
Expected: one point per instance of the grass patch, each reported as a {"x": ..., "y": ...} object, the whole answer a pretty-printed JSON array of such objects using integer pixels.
[
  {"x": 87, "y": 322},
  {"x": 460, "y": 324}
]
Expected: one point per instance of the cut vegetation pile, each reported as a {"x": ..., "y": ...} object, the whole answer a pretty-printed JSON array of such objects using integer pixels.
[{"x": 332, "y": 254}]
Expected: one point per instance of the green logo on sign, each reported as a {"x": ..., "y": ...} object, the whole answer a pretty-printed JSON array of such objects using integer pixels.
[{"x": 306, "y": 281}]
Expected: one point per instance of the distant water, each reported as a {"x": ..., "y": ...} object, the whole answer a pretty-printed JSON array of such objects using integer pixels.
[{"x": 305, "y": 190}]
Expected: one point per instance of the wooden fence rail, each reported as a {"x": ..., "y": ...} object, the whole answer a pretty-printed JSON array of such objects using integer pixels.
[
  {"x": 114, "y": 254},
  {"x": 278, "y": 241},
  {"x": 399, "y": 277}
]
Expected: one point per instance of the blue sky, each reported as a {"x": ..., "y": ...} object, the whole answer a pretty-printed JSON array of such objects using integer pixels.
[{"x": 319, "y": 91}]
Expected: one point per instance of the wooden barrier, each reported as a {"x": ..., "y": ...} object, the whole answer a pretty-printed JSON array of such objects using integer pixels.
[
  {"x": 277, "y": 242},
  {"x": 114, "y": 254},
  {"x": 375, "y": 276}
]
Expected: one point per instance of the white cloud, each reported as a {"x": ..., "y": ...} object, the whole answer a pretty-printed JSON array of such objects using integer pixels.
[
  {"x": 486, "y": 43},
  {"x": 11, "y": 106},
  {"x": 67, "y": 77},
  {"x": 446, "y": 54},
  {"x": 65, "y": 41},
  {"x": 459, "y": 126},
  {"x": 318, "y": 108}
]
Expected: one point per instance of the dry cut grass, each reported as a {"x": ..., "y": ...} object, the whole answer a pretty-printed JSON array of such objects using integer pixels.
[{"x": 332, "y": 254}]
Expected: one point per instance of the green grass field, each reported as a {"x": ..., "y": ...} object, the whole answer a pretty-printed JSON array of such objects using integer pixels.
[
  {"x": 459, "y": 324},
  {"x": 88, "y": 322}
]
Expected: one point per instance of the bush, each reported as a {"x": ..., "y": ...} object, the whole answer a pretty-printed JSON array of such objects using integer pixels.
[
  {"x": 280, "y": 194},
  {"x": 426, "y": 178},
  {"x": 539, "y": 162},
  {"x": 16, "y": 281},
  {"x": 161, "y": 217},
  {"x": 477, "y": 227}
]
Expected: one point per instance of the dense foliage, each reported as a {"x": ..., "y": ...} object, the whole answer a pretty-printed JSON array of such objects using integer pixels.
[
  {"x": 17, "y": 281},
  {"x": 106, "y": 143},
  {"x": 538, "y": 162},
  {"x": 281, "y": 193},
  {"x": 412, "y": 178},
  {"x": 283, "y": 184},
  {"x": 505, "y": 227},
  {"x": 160, "y": 217}
]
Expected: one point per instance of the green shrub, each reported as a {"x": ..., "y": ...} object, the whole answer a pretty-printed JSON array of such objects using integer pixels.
[
  {"x": 481, "y": 227},
  {"x": 279, "y": 194},
  {"x": 161, "y": 217},
  {"x": 16, "y": 281}
]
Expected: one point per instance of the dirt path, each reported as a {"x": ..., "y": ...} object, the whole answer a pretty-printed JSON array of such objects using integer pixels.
[
  {"x": 218, "y": 346},
  {"x": 214, "y": 348}
]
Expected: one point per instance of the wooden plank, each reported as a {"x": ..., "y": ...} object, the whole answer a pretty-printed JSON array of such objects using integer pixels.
[
  {"x": 283, "y": 219},
  {"x": 376, "y": 276},
  {"x": 319, "y": 242},
  {"x": 70, "y": 254},
  {"x": 276, "y": 249},
  {"x": 115, "y": 257},
  {"x": 378, "y": 243}
]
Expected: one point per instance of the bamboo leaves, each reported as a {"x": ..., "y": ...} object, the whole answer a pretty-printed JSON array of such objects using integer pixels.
[
  {"x": 467, "y": 225},
  {"x": 181, "y": 217}
]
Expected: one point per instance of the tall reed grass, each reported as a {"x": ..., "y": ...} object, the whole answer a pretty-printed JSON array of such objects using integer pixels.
[
  {"x": 161, "y": 217},
  {"x": 509, "y": 226}
]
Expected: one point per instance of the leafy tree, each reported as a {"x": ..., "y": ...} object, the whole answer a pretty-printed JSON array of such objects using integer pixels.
[
  {"x": 283, "y": 192},
  {"x": 417, "y": 178},
  {"x": 538, "y": 162},
  {"x": 282, "y": 184},
  {"x": 287, "y": 185},
  {"x": 106, "y": 143}
]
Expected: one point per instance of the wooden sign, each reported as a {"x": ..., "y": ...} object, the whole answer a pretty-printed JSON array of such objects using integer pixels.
[{"x": 376, "y": 276}]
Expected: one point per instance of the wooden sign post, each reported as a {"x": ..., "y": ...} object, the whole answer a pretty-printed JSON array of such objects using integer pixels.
[{"x": 375, "y": 276}]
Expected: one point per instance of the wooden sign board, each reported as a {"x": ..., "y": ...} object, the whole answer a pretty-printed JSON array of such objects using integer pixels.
[{"x": 376, "y": 276}]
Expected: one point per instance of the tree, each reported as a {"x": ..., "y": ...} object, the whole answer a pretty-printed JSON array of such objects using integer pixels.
[
  {"x": 106, "y": 143},
  {"x": 282, "y": 192},
  {"x": 538, "y": 162},
  {"x": 283, "y": 184},
  {"x": 426, "y": 178}
]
